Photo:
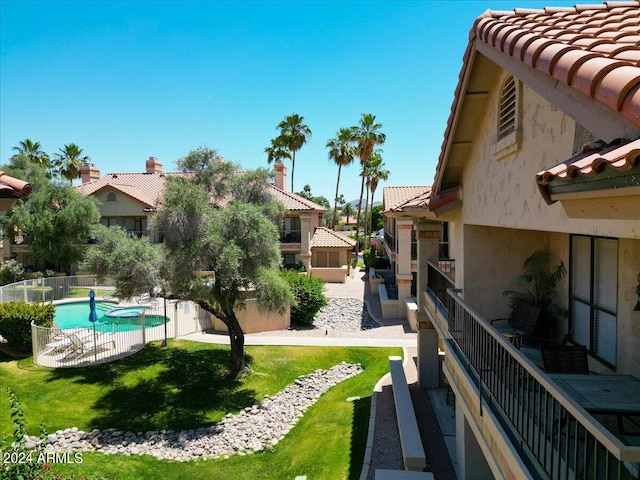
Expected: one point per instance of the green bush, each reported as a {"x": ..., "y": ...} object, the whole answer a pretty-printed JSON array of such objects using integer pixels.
[
  {"x": 309, "y": 296},
  {"x": 16, "y": 318},
  {"x": 11, "y": 271}
]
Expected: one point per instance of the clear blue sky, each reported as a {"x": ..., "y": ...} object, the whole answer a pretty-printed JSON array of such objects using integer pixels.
[{"x": 130, "y": 80}]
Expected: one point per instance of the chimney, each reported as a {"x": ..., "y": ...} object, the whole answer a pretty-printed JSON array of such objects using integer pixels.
[
  {"x": 281, "y": 175},
  {"x": 154, "y": 165},
  {"x": 89, "y": 173}
]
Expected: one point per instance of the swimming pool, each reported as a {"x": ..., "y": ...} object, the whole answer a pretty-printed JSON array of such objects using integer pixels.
[{"x": 76, "y": 315}]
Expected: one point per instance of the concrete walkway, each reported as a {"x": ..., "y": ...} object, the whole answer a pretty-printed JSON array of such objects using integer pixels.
[{"x": 383, "y": 444}]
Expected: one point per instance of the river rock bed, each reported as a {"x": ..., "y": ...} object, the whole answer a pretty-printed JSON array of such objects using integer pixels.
[
  {"x": 255, "y": 428},
  {"x": 344, "y": 314}
]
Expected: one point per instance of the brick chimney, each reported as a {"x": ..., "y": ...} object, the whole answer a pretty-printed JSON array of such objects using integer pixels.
[
  {"x": 281, "y": 175},
  {"x": 89, "y": 173},
  {"x": 154, "y": 165}
]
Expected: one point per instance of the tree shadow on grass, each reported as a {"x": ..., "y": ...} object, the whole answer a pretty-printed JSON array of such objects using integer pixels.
[
  {"x": 181, "y": 394},
  {"x": 361, "y": 412}
]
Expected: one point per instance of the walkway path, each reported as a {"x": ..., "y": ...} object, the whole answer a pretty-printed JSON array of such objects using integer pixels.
[{"x": 383, "y": 444}]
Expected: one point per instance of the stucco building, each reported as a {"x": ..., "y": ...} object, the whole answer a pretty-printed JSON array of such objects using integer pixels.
[{"x": 541, "y": 152}]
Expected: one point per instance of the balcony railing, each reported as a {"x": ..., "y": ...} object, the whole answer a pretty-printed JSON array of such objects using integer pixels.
[
  {"x": 557, "y": 438},
  {"x": 290, "y": 237},
  {"x": 438, "y": 281},
  {"x": 390, "y": 240}
]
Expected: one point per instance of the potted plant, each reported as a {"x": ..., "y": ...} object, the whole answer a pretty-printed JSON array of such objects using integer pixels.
[{"x": 540, "y": 283}]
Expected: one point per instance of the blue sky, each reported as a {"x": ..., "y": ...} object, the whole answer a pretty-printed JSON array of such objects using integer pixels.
[{"x": 130, "y": 80}]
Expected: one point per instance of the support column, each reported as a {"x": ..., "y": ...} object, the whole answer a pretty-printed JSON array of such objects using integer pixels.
[
  {"x": 471, "y": 462},
  {"x": 428, "y": 238},
  {"x": 428, "y": 358},
  {"x": 305, "y": 241}
]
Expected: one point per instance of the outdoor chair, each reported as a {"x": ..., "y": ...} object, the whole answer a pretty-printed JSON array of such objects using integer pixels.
[
  {"x": 523, "y": 322},
  {"x": 146, "y": 299},
  {"x": 61, "y": 341},
  {"x": 87, "y": 345},
  {"x": 565, "y": 358}
]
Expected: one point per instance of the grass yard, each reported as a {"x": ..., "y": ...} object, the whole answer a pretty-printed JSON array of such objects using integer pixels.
[{"x": 183, "y": 387}]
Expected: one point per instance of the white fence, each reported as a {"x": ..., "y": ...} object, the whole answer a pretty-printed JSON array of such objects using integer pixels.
[{"x": 73, "y": 347}]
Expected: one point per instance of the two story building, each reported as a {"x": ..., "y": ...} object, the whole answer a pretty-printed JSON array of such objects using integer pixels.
[{"x": 541, "y": 153}]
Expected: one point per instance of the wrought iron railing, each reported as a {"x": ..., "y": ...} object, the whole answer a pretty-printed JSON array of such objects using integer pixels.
[
  {"x": 390, "y": 240},
  {"x": 557, "y": 438},
  {"x": 438, "y": 282},
  {"x": 290, "y": 237}
]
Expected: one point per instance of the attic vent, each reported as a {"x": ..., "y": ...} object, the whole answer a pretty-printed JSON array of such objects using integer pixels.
[
  {"x": 507, "y": 119},
  {"x": 582, "y": 137}
]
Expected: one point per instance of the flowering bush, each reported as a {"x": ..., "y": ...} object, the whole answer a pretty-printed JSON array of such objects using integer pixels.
[
  {"x": 309, "y": 296},
  {"x": 11, "y": 271}
]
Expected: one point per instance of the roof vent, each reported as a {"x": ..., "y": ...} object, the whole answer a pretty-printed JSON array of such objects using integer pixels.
[{"x": 507, "y": 119}]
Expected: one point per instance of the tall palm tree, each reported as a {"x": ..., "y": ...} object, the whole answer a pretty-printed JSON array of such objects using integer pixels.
[
  {"x": 342, "y": 152},
  {"x": 293, "y": 135},
  {"x": 376, "y": 172},
  {"x": 33, "y": 152},
  {"x": 276, "y": 151},
  {"x": 69, "y": 161},
  {"x": 367, "y": 136},
  {"x": 347, "y": 210}
]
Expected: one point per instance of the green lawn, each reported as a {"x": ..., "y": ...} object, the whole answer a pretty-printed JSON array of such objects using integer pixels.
[{"x": 184, "y": 387}]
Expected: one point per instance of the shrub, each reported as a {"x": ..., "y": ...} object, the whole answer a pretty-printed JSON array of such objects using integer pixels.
[
  {"x": 11, "y": 271},
  {"x": 16, "y": 318},
  {"x": 309, "y": 296}
]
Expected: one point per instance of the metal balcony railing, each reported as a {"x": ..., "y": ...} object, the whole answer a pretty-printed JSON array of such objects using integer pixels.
[
  {"x": 557, "y": 438},
  {"x": 438, "y": 282},
  {"x": 290, "y": 237},
  {"x": 390, "y": 240}
]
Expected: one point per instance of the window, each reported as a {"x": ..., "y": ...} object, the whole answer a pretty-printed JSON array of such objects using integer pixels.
[
  {"x": 109, "y": 221},
  {"x": 508, "y": 103},
  {"x": 594, "y": 295},
  {"x": 111, "y": 197}
]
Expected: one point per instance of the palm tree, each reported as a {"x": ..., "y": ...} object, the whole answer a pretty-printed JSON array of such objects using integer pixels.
[
  {"x": 277, "y": 151},
  {"x": 293, "y": 135},
  {"x": 69, "y": 161},
  {"x": 376, "y": 172},
  {"x": 32, "y": 150},
  {"x": 347, "y": 210},
  {"x": 366, "y": 138},
  {"x": 342, "y": 152}
]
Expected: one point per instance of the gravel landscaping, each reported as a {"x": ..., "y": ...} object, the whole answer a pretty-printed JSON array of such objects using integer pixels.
[{"x": 344, "y": 314}]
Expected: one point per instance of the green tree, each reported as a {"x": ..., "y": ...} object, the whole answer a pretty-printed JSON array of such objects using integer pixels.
[
  {"x": 375, "y": 173},
  {"x": 348, "y": 211},
  {"x": 367, "y": 137},
  {"x": 220, "y": 247},
  {"x": 276, "y": 152},
  {"x": 377, "y": 221},
  {"x": 133, "y": 263},
  {"x": 68, "y": 162},
  {"x": 34, "y": 153},
  {"x": 294, "y": 133},
  {"x": 342, "y": 152},
  {"x": 55, "y": 220}
]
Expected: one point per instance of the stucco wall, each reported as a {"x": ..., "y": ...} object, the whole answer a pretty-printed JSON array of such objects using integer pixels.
[
  {"x": 503, "y": 192},
  {"x": 252, "y": 320},
  {"x": 628, "y": 321},
  {"x": 124, "y": 206}
]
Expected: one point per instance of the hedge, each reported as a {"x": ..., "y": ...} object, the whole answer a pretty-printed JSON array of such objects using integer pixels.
[
  {"x": 16, "y": 318},
  {"x": 309, "y": 296}
]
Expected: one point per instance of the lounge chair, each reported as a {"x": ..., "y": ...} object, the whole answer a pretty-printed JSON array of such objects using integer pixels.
[
  {"x": 61, "y": 341},
  {"x": 147, "y": 300},
  {"x": 87, "y": 345}
]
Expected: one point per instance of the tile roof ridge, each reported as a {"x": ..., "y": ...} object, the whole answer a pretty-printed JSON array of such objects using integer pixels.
[{"x": 312, "y": 205}]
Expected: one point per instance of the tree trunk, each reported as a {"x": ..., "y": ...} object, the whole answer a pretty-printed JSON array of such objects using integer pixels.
[
  {"x": 335, "y": 201},
  {"x": 293, "y": 168},
  {"x": 366, "y": 219},
  {"x": 359, "y": 210},
  {"x": 236, "y": 337}
]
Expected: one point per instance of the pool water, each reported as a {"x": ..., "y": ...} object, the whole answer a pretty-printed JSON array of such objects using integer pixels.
[{"x": 76, "y": 315}]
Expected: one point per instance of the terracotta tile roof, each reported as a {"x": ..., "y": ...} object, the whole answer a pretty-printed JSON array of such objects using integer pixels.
[
  {"x": 620, "y": 155},
  {"x": 594, "y": 49},
  {"x": 294, "y": 202},
  {"x": 420, "y": 200},
  {"x": 393, "y": 198},
  {"x": 13, "y": 187},
  {"x": 326, "y": 238},
  {"x": 144, "y": 187}
]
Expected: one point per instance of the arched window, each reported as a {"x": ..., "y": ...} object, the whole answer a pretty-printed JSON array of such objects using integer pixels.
[
  {"x": 111, "y": 197},
  {"x": 508, "y": 108}
]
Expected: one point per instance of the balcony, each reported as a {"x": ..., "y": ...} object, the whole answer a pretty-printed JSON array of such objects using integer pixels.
[
  {"x": 553, "y": 435},
  {"x": 390, "y": 240},
  {"x": 290, "y": 237}
]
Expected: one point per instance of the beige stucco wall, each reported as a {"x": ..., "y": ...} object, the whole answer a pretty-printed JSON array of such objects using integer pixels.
[
  {"x": 252, "y": 320},
  {"x": 628, "y": 354},
  {"x": 124, "y": 206},
  {"x": 503, "y": 192},
  {"x": 331, "y": 275}
]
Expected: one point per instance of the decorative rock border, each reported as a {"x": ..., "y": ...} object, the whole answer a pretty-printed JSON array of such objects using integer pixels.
[{"x": 255, "y": 428}]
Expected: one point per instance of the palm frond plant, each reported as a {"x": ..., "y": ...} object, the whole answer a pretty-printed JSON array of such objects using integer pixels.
[{"x": 540, "y": 282}]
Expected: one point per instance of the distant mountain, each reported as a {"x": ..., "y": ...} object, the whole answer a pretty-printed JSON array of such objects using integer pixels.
[{"x": 354, "y": 203}]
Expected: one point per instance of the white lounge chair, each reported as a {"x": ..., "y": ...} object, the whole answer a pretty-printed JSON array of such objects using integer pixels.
[
  {"x": 61, "y": 341},
  {"x": 82, "y": 347}
]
